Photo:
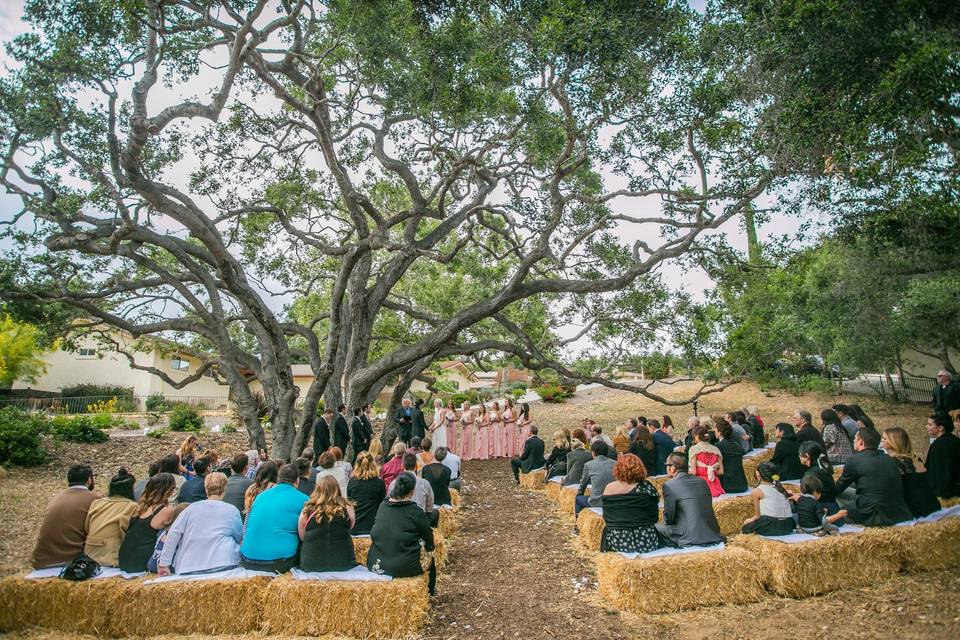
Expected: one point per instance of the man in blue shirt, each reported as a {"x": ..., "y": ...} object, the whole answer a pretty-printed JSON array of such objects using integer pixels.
[
  {"x": 271, "y": 542},
  {"x": 193, "y": 489},
  {"x": 663, "y": 445}
]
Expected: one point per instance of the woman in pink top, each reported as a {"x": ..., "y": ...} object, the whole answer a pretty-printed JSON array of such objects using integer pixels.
[
  {"x": 450, "y": 418},
  {"x": 496, "y": 432},
  {"x": 524, "y": 424},
  {"x": 468, "y": 433},
  {"x": 509, "y": 429},
  {"x": 706, "y": 460},
  {"x": 482, "y": 449}
]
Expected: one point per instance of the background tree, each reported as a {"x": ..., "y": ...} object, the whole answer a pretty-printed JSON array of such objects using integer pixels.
[{"x": 20, "y": 352}]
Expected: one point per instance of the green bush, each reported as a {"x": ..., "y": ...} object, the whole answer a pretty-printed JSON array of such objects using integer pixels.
[
  {"x": 156, "y": 433},
  {"x": 470, "y": 395},
  {"x": 20, "y": 433},
  {"x": 553, "y": 393},
  {"x": 156, "y": 402},
  {"x": 185, "y": 418},
  {"x": 124, "y": 395},
  {"x": 87, "y": 429}
]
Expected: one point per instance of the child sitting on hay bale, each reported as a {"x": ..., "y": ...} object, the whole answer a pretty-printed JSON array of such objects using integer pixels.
[
  {"x": 773, "y": 515},
  {"x": 400, "y": 528}
]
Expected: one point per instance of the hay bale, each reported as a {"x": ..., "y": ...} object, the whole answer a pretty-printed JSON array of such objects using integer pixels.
[
  {"x": 455, "y": 499},
  {"x": 361, "y": 547},
  {"x": 658, "y": 482},
  {"x": 674, "y": 583},
  {"x": 930, "y": 546},
  {"x": 448, "y": 523},
  {"x": 553, "y": 491},
  {"x": 535, "y": 480},
  {"x": 946, "y": 503},
  {"x": 590, "y": 527},
  {"x": 750, "y": 465},
  {"x": 105, "y": 607},
  {"x": 732, "y": 512},
  {"x": 827, "y": 564},
  {"x": 568, "y": 498},
  {"x": 395, "y": 609}
]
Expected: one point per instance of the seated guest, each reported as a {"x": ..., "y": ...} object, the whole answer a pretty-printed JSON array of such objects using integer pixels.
[
  {"x": 206, "y": 536},
  {"x": 630, "y": 509},
  {"x": 415, "y": 447},
  {"x": 557, "y": 461},
  {"x": 171, "y": 464},
  {"x": 452, "y": 462},
  {"x": 916, "y": 486},
  {"x": 425, "y": 456},
  {"x": 253, "y": 458},
  {"x": 733, "y": 479},
  {"x": 306, "y": 485},
  {"x": 880, "y": 501},
  {"x": 786, "y": 453},
  {"x": 397, "y": 534},
  {"x": 328, "y": 468},
  {"x": 754, "y": 427},
  {"x": 265, "y": 479},
  {"x": 141, "y": 484},
  {"x": 642, "y": 446},
  {"x": 849, "y": 425},
  {"x": 621, "y": 439},
  {"x": 193, "y": 490},
  {"x": 812, "y": 516},
  {"x": 818, "y": 466},
  {"x": 340, "y": 463},
  {"x": 324, "y": 527},
  {"x": 309, "y": 454},
  {"x": 366, "y": 491},
  {"x": 63, "y": 531},
  {"x": 187, "y": 452},
  {"x": 863, "y": 420},
  {"x": 108, "y": 519},
  {"x": 597, "y": 474},
  {"x": 772, "y": 513},
  {"x": 688, "y": 516},
  {"x": 663, "y": 445},
  {"x": 706, "y": 461},
  {"x": 376, "y": 450},
  {"x": 532, "y": 457},
  {"x": 438, "y": 475},
  {"x": 596, "y": 433},
  {"x": 803, "y": 423},
  {"x": 943, "y": 457},
  {"x": 238, "y": 482},
  {"x": 577, "y": 457},
  {"x": 154, "y": 514},
  {"x": 740, "y": 434},
  {"x": 581, "y": 435},
  {"x": 423, "y": 492},
  {"x": 394, "y": 467},
  {"x": 839, "y": 445},
  {"x": 271, "y": 539}
]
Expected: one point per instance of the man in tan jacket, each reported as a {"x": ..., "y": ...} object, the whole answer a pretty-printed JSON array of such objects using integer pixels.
[{"x": 64, "y": 528}]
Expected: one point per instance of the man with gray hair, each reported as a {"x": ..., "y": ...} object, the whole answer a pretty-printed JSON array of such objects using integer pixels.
[
  {"x": 946, "y": 395},
  {"x": 803, "y": 422}
]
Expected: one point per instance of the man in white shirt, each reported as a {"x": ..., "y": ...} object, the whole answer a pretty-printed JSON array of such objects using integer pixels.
[{"x": 452, "y": 462}]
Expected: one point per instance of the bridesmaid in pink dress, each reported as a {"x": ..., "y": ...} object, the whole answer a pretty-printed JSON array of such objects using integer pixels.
[
  {"x": 509, "y": 429},
  {"x": 451, "y": 419},
  {"x": 468, "y": 435},
  {"x": 482, "y": 449},
  {"x": 496, "y": 432},
  {"x": 524, "y": 424}
]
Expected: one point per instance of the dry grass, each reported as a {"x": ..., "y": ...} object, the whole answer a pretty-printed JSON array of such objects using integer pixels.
[{"x": 679, "y": 582}]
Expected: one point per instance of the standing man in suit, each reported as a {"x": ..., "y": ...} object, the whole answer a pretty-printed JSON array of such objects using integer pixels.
[
  {"x": 419, "y": 422},
  {"x": 341, "y": 433},
  {"x": 404, "y": 419},
  {"x": 358, "y": 433},
  {"x": 597, "y": 474},
  {"x": 688, "y": 516},
  {"x": 367, "y": 424},
  {"x": 946, "y": 395},
  {"x": 663, "y": 445},
  {"x": 321, "y": 432},
  {"x": 880, "y": 501},
  {"x": 943, "y": 457},
  {"x": 532, "y": 457}
]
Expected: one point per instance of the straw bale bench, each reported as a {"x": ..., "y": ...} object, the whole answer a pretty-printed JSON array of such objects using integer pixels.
[{"x": 535, "y": 480}]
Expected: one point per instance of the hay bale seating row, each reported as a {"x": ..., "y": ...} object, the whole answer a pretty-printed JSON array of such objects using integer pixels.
[
  {"x": 282, "y": 605},
  {"x": 535, "y": 480}
]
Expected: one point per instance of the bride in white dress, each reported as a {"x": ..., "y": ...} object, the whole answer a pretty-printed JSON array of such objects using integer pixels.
[{"x": 438, "y": 430}]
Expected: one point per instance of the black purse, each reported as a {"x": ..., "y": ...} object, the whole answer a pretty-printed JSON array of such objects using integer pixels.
[{"x": 83, "y": 567}]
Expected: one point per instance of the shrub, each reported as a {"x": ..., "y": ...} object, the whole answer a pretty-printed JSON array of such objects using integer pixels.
[
  {"x": 470, "y": 395},
  {"x": 185, "y": 418},
  {"x": 156, "y": 433},
  {"x": 20, "y": 433},
  {"x": 553, "y": 393},
  {"x": 124, "y": 396},
  {"x": 156, "y": 402},
  {"x": 87, "y": 429}
]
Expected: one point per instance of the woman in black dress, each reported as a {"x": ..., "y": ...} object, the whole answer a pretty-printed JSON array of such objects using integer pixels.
[
  {"x": 733, "y": 480},
  {"x": 400, "y": 529},
  {"x": 630, "y": 509},
  {"x": 917, "y": 490},
  {"x": 366, "y": 491},
  {"x": 786, "y": 453},
  {"x": 642, "y": 447},
  {"x": 557, "y": 461},
  {"x": 324, "y": 528},
  {"x": 153, "y": 515}
]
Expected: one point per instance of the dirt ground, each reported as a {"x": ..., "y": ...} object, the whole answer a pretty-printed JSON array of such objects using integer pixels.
[{"x": 514, "y": 571}]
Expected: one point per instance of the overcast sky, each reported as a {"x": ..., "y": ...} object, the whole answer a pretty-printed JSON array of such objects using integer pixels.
[{"x": 695, "y": 282}]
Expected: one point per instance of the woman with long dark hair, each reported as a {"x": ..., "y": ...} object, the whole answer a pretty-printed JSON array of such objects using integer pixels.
[
  {"x": 839, "y": 445},
  {"x": 154, "y": 514},
  {"x": 786, "y": 453}
]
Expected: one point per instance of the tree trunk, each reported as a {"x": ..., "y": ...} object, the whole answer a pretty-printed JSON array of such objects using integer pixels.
[
  {"x": 945, "y": 359},
  {"x": 400, "y": 390},
  {"x": 893, "y": 389},
  {"x": 753, "y": 243}
]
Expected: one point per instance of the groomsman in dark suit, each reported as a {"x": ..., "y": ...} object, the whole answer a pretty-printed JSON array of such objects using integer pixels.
[
  {"x": 321, "y": 433},
  {"x": 341, "y": 432},
  {"x": 358, "y": 433},
  {"x": 419, "y": 422}
]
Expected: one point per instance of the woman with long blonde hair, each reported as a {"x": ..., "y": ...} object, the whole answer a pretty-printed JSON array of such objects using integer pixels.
[
  {"x": 916, "y": 491},
  {"x": 187, "y": 452},
  {"x": 366, "y": 491},
  {"x": 324, "y": 527}
]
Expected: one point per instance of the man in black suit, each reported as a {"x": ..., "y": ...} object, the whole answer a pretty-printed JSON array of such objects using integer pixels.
[
  {"x": 404, "y": 420},
  {"x": 946, "y": 395},
  {"x": 532, "y": 456},
  {"x": 880, "y": 501},
  {"x": 419, "y": 422},
  {"x": 321, "y": 432},
  {"x": 688, "y": 516},
  {"x": 803, "y": 423},
  {"x": 341, "y": 433},
  {"x": 358, "y": 433},
  {"x": 943, "y": 457},
  {"x": 367, "y": 425}
]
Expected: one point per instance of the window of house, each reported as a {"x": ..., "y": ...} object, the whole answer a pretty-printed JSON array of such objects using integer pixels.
[
  {"x": 178, "y": 364},
  {"x": 85, "y": 352}
]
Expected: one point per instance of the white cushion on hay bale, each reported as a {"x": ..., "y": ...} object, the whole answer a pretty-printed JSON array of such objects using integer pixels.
[{"x": 358, "y": 573}]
